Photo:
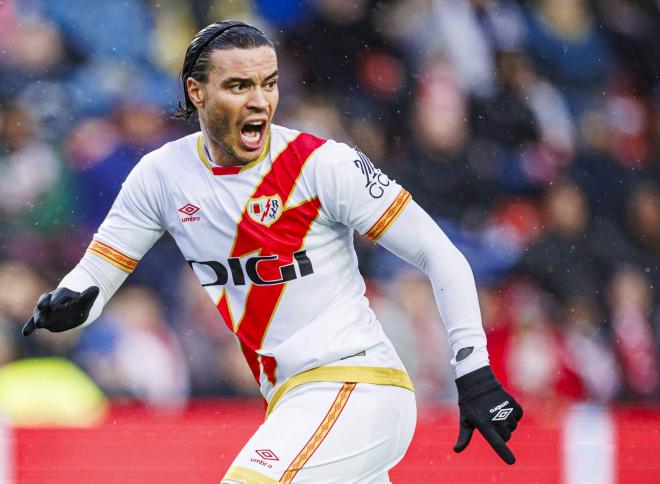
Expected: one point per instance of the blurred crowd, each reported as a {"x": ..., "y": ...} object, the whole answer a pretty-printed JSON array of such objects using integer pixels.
[{"x": 530, "y": 130}]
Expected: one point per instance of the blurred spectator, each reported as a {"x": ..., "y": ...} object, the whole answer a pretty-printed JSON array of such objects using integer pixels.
[
  {"x": 216, "y": 363},
  {"x": 319, "y": 115},
  {"x": 402, "y": 306},
  {"x": 630, "y": 299},
  {"x": 439, "y": 173},
  {"x": 568, "y": 48},
  {"x": 570, "y": 259},
  {"x": 527, "y": 348},
  {"x": 132, "y": 352},
  {"x": 464, "y": 43},
  {"x": 634, "y": 29},
  {"x": 589, "y": 351},
  {"x": 505, "y": 117},
  {"x": 35, "y": 189},
  {"x": 103, "y": 153},
  {"x": 643, "y": 248},
  {"x": 605, "y": 181}
]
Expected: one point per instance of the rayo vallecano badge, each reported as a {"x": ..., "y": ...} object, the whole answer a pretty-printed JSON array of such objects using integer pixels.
[{"x": 265, "y": 210}]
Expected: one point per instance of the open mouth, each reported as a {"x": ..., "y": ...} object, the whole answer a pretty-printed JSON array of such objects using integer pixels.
[{"x": 253, "y": 134}]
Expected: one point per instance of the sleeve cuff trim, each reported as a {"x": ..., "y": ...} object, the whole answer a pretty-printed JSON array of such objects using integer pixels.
[
  {"x": 113, "y": 256},
  {"x": 390, "y": 215}
]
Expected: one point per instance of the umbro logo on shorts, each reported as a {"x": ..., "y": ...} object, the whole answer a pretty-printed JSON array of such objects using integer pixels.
[
  {"x": 266, "y": 454},
  {"x": 190, "y": 210}
]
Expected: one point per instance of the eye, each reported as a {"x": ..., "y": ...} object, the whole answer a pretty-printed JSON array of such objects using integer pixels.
[
  {"x": 271, "y": 84},
  {"x": 238, "y": 87}
]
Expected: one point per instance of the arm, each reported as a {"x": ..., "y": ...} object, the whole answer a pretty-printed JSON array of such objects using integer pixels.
[
  {"x": 354, "y": 192},
  {"x": 130, "y": 229},
  {"x": 483, "y": 403},
  {"x": 415, "y": 238}
]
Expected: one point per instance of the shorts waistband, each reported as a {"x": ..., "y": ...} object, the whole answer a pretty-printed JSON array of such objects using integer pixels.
[{"x": 375, "y": 375}]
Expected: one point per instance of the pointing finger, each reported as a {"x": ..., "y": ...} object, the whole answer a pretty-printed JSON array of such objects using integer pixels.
[
  {"x": 29, "y": 327},
  {"x": 496, "y": 442}
]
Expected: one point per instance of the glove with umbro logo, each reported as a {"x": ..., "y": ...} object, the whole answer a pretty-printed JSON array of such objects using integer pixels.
[
  {"x": 61, "y": 310},
  {"x": 486, "y": 406}
]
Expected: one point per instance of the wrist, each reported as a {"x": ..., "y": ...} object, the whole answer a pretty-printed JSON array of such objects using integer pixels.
[
  {"x": 478, "y": 358},
  {"x": 476, "y": 382}
]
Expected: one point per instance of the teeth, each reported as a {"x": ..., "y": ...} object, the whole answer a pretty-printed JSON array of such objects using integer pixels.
[{"x": 253, "y": 131}]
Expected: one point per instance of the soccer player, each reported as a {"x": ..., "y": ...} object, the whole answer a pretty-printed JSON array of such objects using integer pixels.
[{"x": 265, "y": 216}]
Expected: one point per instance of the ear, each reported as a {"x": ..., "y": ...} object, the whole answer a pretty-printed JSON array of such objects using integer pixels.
[{"x": 196, "y": 92}]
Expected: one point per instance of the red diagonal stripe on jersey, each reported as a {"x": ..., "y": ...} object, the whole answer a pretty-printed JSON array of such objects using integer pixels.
[{"x": 282, "y": 238}]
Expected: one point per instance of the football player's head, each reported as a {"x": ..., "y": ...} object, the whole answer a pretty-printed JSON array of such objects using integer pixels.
[{"x": 229, "y": 78}]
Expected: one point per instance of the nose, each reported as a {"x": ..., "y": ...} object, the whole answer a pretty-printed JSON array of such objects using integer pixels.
[{"x": 257, "y": 99}]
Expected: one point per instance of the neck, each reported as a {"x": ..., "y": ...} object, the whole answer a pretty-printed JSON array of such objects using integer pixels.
[{"x": 215, "y": 151}]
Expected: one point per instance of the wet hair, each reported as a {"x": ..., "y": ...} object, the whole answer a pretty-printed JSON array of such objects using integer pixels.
[{"x": 228, "y": 34}]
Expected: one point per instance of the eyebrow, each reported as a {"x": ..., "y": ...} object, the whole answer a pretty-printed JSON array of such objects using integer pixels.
[
  {"x": 245, "y": 79},
  {"x": 272, "y": 75}
]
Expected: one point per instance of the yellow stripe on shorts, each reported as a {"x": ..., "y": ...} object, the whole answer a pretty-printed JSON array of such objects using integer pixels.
[
  {"x": 374, "y": 375},
  {"x": 320, "y": 434},
  {"x": 246, "y": 476}
]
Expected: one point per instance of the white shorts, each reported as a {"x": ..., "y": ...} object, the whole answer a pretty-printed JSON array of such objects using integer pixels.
[{"x": 325, "y": 432}]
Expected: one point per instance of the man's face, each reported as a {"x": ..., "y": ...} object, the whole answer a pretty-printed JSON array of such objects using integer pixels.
[{"x": 237, "y": 103}]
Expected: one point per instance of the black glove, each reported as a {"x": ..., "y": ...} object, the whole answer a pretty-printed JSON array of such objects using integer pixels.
[
  {"x": 486, "y": 406},
  {"x": 61, "y": 310}
]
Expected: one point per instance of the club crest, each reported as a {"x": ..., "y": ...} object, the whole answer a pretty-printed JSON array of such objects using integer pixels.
[{"x": 265, "y": 210}]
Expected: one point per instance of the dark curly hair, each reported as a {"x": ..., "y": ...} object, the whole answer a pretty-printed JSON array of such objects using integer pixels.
[{"x": 228, "y": 34}]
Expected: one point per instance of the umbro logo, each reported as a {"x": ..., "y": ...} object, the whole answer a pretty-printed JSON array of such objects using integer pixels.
[
  {"x": 503, "y": 412},
  {"x": 266, "y": 454},
  {"x": 189, "y": 209}
]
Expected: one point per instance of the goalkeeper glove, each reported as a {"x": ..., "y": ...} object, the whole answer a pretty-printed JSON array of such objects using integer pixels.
[
  {"x": 61, "y": 310},
  {"x": 486, "y": 406}
]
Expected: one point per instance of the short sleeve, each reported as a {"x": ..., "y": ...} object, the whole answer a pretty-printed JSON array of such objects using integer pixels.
[
  {"x": 133, "y": 224},
  {"x": 355, "y": 193}
]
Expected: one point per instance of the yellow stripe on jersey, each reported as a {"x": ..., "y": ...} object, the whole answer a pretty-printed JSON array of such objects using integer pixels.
[
  {"x": 246, "y": 476},
  {"x": 375, "y": 375},
  {"x": 205, "y": 159},
  {"x": 112, "y": 256},
  {"x": 320, "y": 434},
  {"x": 201, "y": 153},
  {"x": 390, "y": 215}
]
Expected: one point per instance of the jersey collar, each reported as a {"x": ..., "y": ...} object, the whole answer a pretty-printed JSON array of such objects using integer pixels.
[{"x": 228, "y": 170}]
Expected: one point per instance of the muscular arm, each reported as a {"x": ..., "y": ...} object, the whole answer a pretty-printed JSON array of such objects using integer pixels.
[{"x": 417, "y": 239}]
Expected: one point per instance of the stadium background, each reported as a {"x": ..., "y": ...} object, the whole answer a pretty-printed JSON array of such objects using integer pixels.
[{"x": 529, "y": 130}]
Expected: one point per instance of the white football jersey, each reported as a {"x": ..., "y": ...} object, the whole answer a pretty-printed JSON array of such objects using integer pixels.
[{"x": 272, "y": 245}]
